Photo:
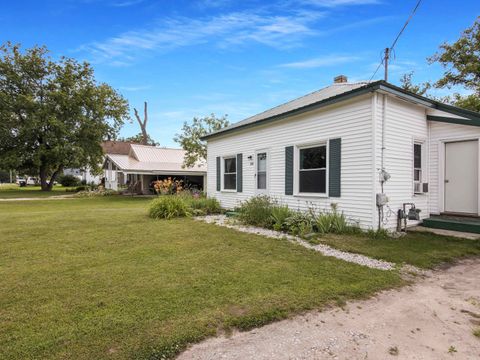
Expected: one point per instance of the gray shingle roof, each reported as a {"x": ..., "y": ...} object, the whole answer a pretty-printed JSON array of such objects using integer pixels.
[{"x": 312, "y": 98}]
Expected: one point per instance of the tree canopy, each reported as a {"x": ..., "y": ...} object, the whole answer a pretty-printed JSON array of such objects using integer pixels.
[
  {"x": 54, "y": 114},
  {"x": 461, "y": 62},
  {"x": 190, "y": 137}
]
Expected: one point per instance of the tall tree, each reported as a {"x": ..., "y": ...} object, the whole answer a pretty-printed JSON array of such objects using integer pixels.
[
  {"x": 53, "y": 114},
  {"x": 190, "y": 138},
  {"x": 461, "y": 61},
  {"x": 143, "y": 123},
  {"x": 138, "y": 139},
  {"x": 407, "y": 84}
]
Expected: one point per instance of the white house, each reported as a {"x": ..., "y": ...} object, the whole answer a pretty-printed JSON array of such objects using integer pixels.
[
  {"x": 136, "y": 167},
  {"x": 330, "y": 146}
]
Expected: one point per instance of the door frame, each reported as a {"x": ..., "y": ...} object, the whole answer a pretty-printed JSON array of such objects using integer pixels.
[
  {"x": 267, "y": 180},
  {"x": 442, "y": 166}
]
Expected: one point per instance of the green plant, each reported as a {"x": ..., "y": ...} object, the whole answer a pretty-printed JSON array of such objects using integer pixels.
[
  {"x": 257, "y": 211},
  {"x": 69, "y": 180},
  {"x": 168, "y": 207},
  {"x": 96, "y": 193},
  {"x": 201, "y": 204},
  {"x": 378, "y": 234},
  {"x": 476, "y": 332},
  {"x": 300, "y": 223},
  {"x": 335, "y": 222},
  {"x": 280, "y": 213}
]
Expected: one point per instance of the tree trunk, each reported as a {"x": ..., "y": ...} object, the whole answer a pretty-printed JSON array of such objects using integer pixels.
[
  {"x": 143, "y": 124},
  {"x": 54, "y": 177},
  {"x": 43, "y": 179}
]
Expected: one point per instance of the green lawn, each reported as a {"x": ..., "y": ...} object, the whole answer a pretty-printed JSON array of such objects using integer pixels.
[
  {"x": 8, "y": 191},
  {"x": 97, "y": 279},
  {"x": 424, "y": 250}
]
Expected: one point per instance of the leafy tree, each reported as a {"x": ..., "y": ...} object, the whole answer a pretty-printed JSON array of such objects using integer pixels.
[
  {"x": 139, "y": 139},
  {"x": 189, "y": 139},
  {"x": 461, "y": 61},
  {"x": 407, "y": 84},
  {"x": 53, "y": 114}
]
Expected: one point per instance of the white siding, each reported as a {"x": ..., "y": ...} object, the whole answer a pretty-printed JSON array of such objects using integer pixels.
[
  {"x": 405, "y": 123},
  {"x": 351, "y": 121},
  {"x": 439, "y": 134}
]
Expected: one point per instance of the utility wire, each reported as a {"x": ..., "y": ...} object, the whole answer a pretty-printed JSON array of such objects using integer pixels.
[{"x": 412, "y": 14}]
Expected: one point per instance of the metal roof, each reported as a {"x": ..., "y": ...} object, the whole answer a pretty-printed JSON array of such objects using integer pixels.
[
  {"x": 145, "y": 158},
  {"x": 339, "y": 92},
  {"x": 312, "y": 98}
]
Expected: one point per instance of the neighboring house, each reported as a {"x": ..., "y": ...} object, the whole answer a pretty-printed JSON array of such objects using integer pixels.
[
  {"x": 330, "y": 146},
  {"x": 138, "y": 166},
  {"x": 83, "y": 175}
]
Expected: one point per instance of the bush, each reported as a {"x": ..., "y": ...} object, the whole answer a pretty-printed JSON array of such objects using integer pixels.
[
  {"x": 168, "y": 207},
  {"x": 280, "y": 214},
  {"x": 204, "y": 205},
  {"x": 96, "y": 193},
  {"x": 69, "y": 180},
  {"x": 257, "y": 211},
  {"x": 300, "y": 223},
  {"x": 379, "y": 234}
]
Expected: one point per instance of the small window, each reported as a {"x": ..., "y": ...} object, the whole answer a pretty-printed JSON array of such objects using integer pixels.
[
  {"x": 262, "y": 171},
  {"x": 417, "y": 162},
  {"x": 313, "y": 170},
  {"x": 230, "y": 173}
]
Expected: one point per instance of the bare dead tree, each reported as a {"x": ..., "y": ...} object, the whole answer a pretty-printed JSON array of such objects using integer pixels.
[{"x": 143, "y": 124}]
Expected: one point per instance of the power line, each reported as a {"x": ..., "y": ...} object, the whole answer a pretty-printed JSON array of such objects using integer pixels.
[{"x": 390, "y": 49}]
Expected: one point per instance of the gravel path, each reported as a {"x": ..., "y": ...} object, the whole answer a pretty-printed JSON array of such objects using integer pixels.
[
  {"x": 326, "y": 250},
  {"x": 432, "y": 319}
]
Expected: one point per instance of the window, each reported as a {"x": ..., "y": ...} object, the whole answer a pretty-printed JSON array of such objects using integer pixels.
[
  {"x": 230, "y": 173},
  {"x": 417, "y": 162},
  {"x": 262, "y": 171},
  {"x": 313, "y": 169}
]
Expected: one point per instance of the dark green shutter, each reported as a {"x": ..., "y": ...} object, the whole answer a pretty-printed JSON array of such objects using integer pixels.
[
  {"x": 289, "y": 170},
  {"x": 334, "y": 167},
  {"x": 239, "y": 173},
  {"x": 219, "y": 174}
]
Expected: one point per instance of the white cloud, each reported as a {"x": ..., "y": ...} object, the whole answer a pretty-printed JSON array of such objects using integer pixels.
[
  {"x": 238, "y": 28},
  {"x": 329, "y": 60},
  {"x": 336, "y": 3}
]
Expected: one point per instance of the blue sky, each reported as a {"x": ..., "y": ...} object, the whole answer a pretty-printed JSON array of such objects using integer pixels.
[{"x": 193, "y": 58}]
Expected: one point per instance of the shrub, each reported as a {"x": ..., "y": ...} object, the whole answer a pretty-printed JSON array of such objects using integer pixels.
[
  {"x": 279, "y": 216},
  {"x": 378, "y": 234},
  {"x": 208, "y": 205},
  {"x": 96, "y": 193},
  {"x": 335, "y": 222},
  {"x": 69, "y": 180},
  {"x": 257, "y": 211},
  {"x": 169, "y": 207},
  {"x": 300, "y": 223},
  {"x": 168, "y": 186}
]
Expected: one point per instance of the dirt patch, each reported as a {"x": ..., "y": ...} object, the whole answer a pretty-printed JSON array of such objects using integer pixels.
[{"x": 431, "y": 319}]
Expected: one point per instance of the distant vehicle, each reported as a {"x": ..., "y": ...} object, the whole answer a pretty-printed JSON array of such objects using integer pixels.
[
  {"x": 21, "y": 181},
  {"x": 32, "y": 181}
]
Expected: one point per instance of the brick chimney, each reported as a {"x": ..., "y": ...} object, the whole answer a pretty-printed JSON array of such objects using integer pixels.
[{"x": 340, "y": 79}]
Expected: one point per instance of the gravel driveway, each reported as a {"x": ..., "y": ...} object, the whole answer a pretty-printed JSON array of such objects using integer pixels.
[{"x": 431, "y": 319}]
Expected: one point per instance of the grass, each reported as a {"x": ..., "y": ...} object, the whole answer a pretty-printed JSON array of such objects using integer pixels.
[
  {"x": 424, "y": 250},
  {"x": 96, "y": 278},
  {"x": 11, "y": 191}
]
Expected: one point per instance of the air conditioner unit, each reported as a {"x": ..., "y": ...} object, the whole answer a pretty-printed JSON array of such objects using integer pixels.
[{"x": 420, "y": 188}]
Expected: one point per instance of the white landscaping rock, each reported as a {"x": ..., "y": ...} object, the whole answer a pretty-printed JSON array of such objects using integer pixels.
[{"x": 326, "y": 250}]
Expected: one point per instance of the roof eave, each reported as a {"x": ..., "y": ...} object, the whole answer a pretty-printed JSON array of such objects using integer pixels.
[{"x": 380, "y": 85}]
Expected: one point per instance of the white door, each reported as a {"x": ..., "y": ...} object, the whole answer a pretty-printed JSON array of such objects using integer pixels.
[
  {"x": 261, "y": 173},
  {"x": 461, "y": 177}
]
